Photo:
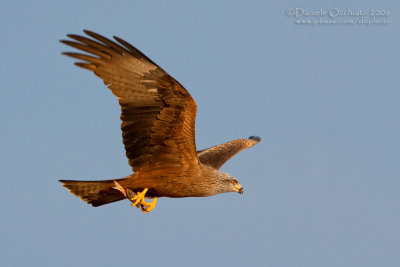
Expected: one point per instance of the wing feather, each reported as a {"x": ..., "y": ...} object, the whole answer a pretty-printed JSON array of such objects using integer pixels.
[
  {"x": 216, "y": 156},
  {"x": 158, "y": 114}
]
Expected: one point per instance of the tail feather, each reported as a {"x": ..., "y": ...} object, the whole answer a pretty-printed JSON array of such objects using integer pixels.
[{"x": 96, "y": 193}]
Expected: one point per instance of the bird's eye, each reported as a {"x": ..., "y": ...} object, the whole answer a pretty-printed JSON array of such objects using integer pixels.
[{"x": 234, "y": 182}]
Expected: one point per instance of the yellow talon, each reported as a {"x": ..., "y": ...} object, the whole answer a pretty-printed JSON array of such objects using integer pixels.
[
  {"x": 149, "y": 206},
  {"x": 139, "y": 198}
]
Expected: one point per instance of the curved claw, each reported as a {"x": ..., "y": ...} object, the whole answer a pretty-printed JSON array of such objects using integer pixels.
[
  {"x": 139, "y": 198},
  {"x": 149, "y": 206}
]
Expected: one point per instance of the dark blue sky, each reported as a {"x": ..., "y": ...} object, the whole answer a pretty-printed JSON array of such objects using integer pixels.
[{"x": 321, "y": 189}]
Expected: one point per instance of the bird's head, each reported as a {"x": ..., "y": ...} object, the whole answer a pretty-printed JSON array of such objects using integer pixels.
[{"x": 228, "y": 183}]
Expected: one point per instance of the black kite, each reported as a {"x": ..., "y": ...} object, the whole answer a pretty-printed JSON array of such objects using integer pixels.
[{"x": 158, "y": 123}]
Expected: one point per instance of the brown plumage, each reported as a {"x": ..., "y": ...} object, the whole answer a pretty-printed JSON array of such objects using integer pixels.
[
  {"x": 216, "y": 156},
  {"x": 158, "y": 123}
]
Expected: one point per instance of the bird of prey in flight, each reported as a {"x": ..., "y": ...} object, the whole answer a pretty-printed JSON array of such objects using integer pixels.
[{"x": 158, "y": 124}]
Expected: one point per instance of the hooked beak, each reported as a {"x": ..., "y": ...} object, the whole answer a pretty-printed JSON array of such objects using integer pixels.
[{"x": 239, "y": 188}]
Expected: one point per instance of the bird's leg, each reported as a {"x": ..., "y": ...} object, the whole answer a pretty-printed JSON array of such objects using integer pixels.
[
  {"x": 139, "y": 198},
  {"x": 149, "y": 206},
  {"x": 128, "y": 193}
]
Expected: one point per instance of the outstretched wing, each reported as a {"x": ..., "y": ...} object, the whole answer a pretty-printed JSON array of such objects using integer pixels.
[
  {"x": 158, "y": 114},
  {"x": 216, "y": 156}
]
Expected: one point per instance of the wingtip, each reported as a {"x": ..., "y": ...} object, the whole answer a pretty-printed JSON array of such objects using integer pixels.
[
  {"x": 255, "y": 138},
  {"x": 88, "y": 32}
]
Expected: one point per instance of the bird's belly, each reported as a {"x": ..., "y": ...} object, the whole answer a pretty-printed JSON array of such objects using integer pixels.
[{"x": 177, "y": 191}]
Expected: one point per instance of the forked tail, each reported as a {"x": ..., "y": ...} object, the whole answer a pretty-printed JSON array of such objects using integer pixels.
[{"x": 96, "y": 193}]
